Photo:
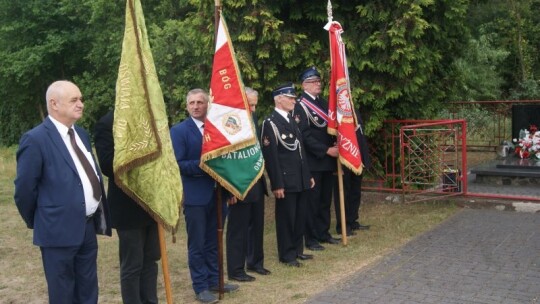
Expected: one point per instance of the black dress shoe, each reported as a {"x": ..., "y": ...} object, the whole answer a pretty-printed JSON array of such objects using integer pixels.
[
  {"x": 226, "y": 288},
  {"x": 294, "y": 263},
  {"x": 331, "y": 240},
  {"x": 362, "y": 227},
  {"x": 261, "y": 271},
  {"x": 242, "y": 278},
  {"x": 316, "y": 247},
  {"x": 304, "y": 257},
  {"x": 358, "y": 226},
  {"x": 349, "y": 232}
]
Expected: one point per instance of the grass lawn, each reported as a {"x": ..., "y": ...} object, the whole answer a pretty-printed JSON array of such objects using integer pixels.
[{"x": 392, "y": 225}]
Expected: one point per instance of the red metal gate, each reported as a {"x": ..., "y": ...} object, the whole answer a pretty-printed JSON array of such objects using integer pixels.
[
  {"x": 396, "y": 151},
  {"x": 433, "y": 159},
  {"x": 425, "y": 158}
]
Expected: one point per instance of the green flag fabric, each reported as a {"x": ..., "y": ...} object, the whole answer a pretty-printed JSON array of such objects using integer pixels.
[
  {"x": 144, "y": 163},
  {"x": 231, "y": 152}
]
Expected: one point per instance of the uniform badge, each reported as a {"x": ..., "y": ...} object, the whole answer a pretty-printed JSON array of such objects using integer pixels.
[
  {"x": 283, "y": 136},
  {"x": 316, "y": 118},
  {"x": 297, "y": 118},
  {"x": 266, "y": 142}
]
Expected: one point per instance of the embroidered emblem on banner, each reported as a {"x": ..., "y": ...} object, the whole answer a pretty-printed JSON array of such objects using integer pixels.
[
  {"x": 344, "y": 101},
  {"x": 232, "y": 124}
]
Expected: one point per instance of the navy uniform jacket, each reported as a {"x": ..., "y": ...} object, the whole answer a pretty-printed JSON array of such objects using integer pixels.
[
  {"x": 284, "y": 154},
  {"x": 315, "y": 135},
  {"x": 125, "y": 212},
  {"x": 49, "y": 192}
]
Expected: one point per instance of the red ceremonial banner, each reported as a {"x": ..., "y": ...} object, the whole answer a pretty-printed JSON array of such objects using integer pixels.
[{"x": 342, "y": 119}]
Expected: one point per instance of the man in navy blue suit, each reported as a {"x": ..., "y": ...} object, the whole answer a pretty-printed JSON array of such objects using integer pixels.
[
  {"x": 59, "y": 193},
  {"x": 200, "y": 210}
]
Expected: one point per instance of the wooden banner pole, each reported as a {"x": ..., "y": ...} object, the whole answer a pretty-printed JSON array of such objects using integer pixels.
[{"x": 165, "y": 264}]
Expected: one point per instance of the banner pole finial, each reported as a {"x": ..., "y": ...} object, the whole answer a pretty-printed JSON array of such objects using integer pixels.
[
  {"x": 329, "y": 11},
  {"x": 330, "y": 18}
]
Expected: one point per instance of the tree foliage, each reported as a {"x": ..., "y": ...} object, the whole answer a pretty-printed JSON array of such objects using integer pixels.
[
  {"x": 513, "y": 27},
  {"x": 402, "y": 54}
]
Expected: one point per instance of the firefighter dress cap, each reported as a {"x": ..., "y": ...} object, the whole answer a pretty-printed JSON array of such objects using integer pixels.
[
  {"x": 310, "y": 74},
  {"x": 286, "y": 89}
]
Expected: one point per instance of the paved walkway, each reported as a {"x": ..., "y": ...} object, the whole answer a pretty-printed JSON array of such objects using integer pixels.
[{"x": 477, "y": 256}]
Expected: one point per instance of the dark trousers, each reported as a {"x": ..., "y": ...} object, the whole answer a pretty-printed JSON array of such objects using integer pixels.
[
  {"x": 352, "y": 193},
  {"x": 201, "y": 226},
  {"x": 245, "y": 229},
  {"x": 290, "y": 225},
  {"x": 139, "y": 253},
  {"x": 71, "y": 271},
  {"x": 318, "y": 214}
]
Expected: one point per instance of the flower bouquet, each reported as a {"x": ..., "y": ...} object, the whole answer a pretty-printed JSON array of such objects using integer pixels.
[{"x": 528, "y": 143}]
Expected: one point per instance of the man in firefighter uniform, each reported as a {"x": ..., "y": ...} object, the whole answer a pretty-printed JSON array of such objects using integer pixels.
[
  {"x": 311, "y": 114},
  {"x": 290, "y": 180}
]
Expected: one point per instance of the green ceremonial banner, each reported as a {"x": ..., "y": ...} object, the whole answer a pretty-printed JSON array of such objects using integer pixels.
[
  {"x": 144, "y": 163},
  {"x": 237, "y": 171}
]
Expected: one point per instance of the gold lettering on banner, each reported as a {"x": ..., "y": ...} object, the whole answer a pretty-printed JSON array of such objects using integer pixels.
[
  {"x": 120, "y": 128},
  {"x": 207, "y": 137},
  {"x": 124, "y": 91},
  {"x": 225, "y": 79},
  {"x": 349, "y": 146},
  {"x": 331, "y": 114}
]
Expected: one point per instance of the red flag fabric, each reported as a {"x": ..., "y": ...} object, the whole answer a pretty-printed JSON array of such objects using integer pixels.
[
  {"x": 230, "y": 152},
  {"x": 341, "y": 117}
]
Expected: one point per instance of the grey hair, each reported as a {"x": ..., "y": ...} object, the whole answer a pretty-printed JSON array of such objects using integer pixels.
[
  {"x": 198, "y": 91},
  {"x": 55, "y": 90},
  {"x": 250, "y": 91}
]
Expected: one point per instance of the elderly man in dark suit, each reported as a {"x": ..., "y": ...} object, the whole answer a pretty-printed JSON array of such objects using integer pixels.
[
  {"x": 311, "y": 114},
  {"x": 200, "y": 210},
  {"x": 59, "y": 193},
  {"x": 245, "y": 225},
  {"x": 287, "y": 167},
  {"x": 137, "y": 231}
]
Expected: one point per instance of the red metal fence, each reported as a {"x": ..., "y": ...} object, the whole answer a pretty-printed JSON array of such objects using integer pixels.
[
  {"x": 425, "y": 157},
  {"x": 430, "y": 156}
]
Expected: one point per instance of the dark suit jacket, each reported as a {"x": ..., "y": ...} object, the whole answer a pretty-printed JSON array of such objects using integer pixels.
[
  {"x": 286, "y": 169},
  {"x": 125, "y": 212},
  {"x": 316, "y": 139},
  {"x": 187, "y": 144},
  {"x": 48, "y": 190}
]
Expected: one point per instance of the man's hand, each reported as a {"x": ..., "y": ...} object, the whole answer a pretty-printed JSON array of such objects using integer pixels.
[
  {"x": 279, "y": 193},
  {"x": 232, "y": 200},
  {"x": 333, "y": 151}
]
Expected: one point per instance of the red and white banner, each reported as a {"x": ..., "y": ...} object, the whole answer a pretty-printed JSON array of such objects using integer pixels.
[
  {"x": 231, "y": 153},
  {"x": 341, "y": 117}
]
